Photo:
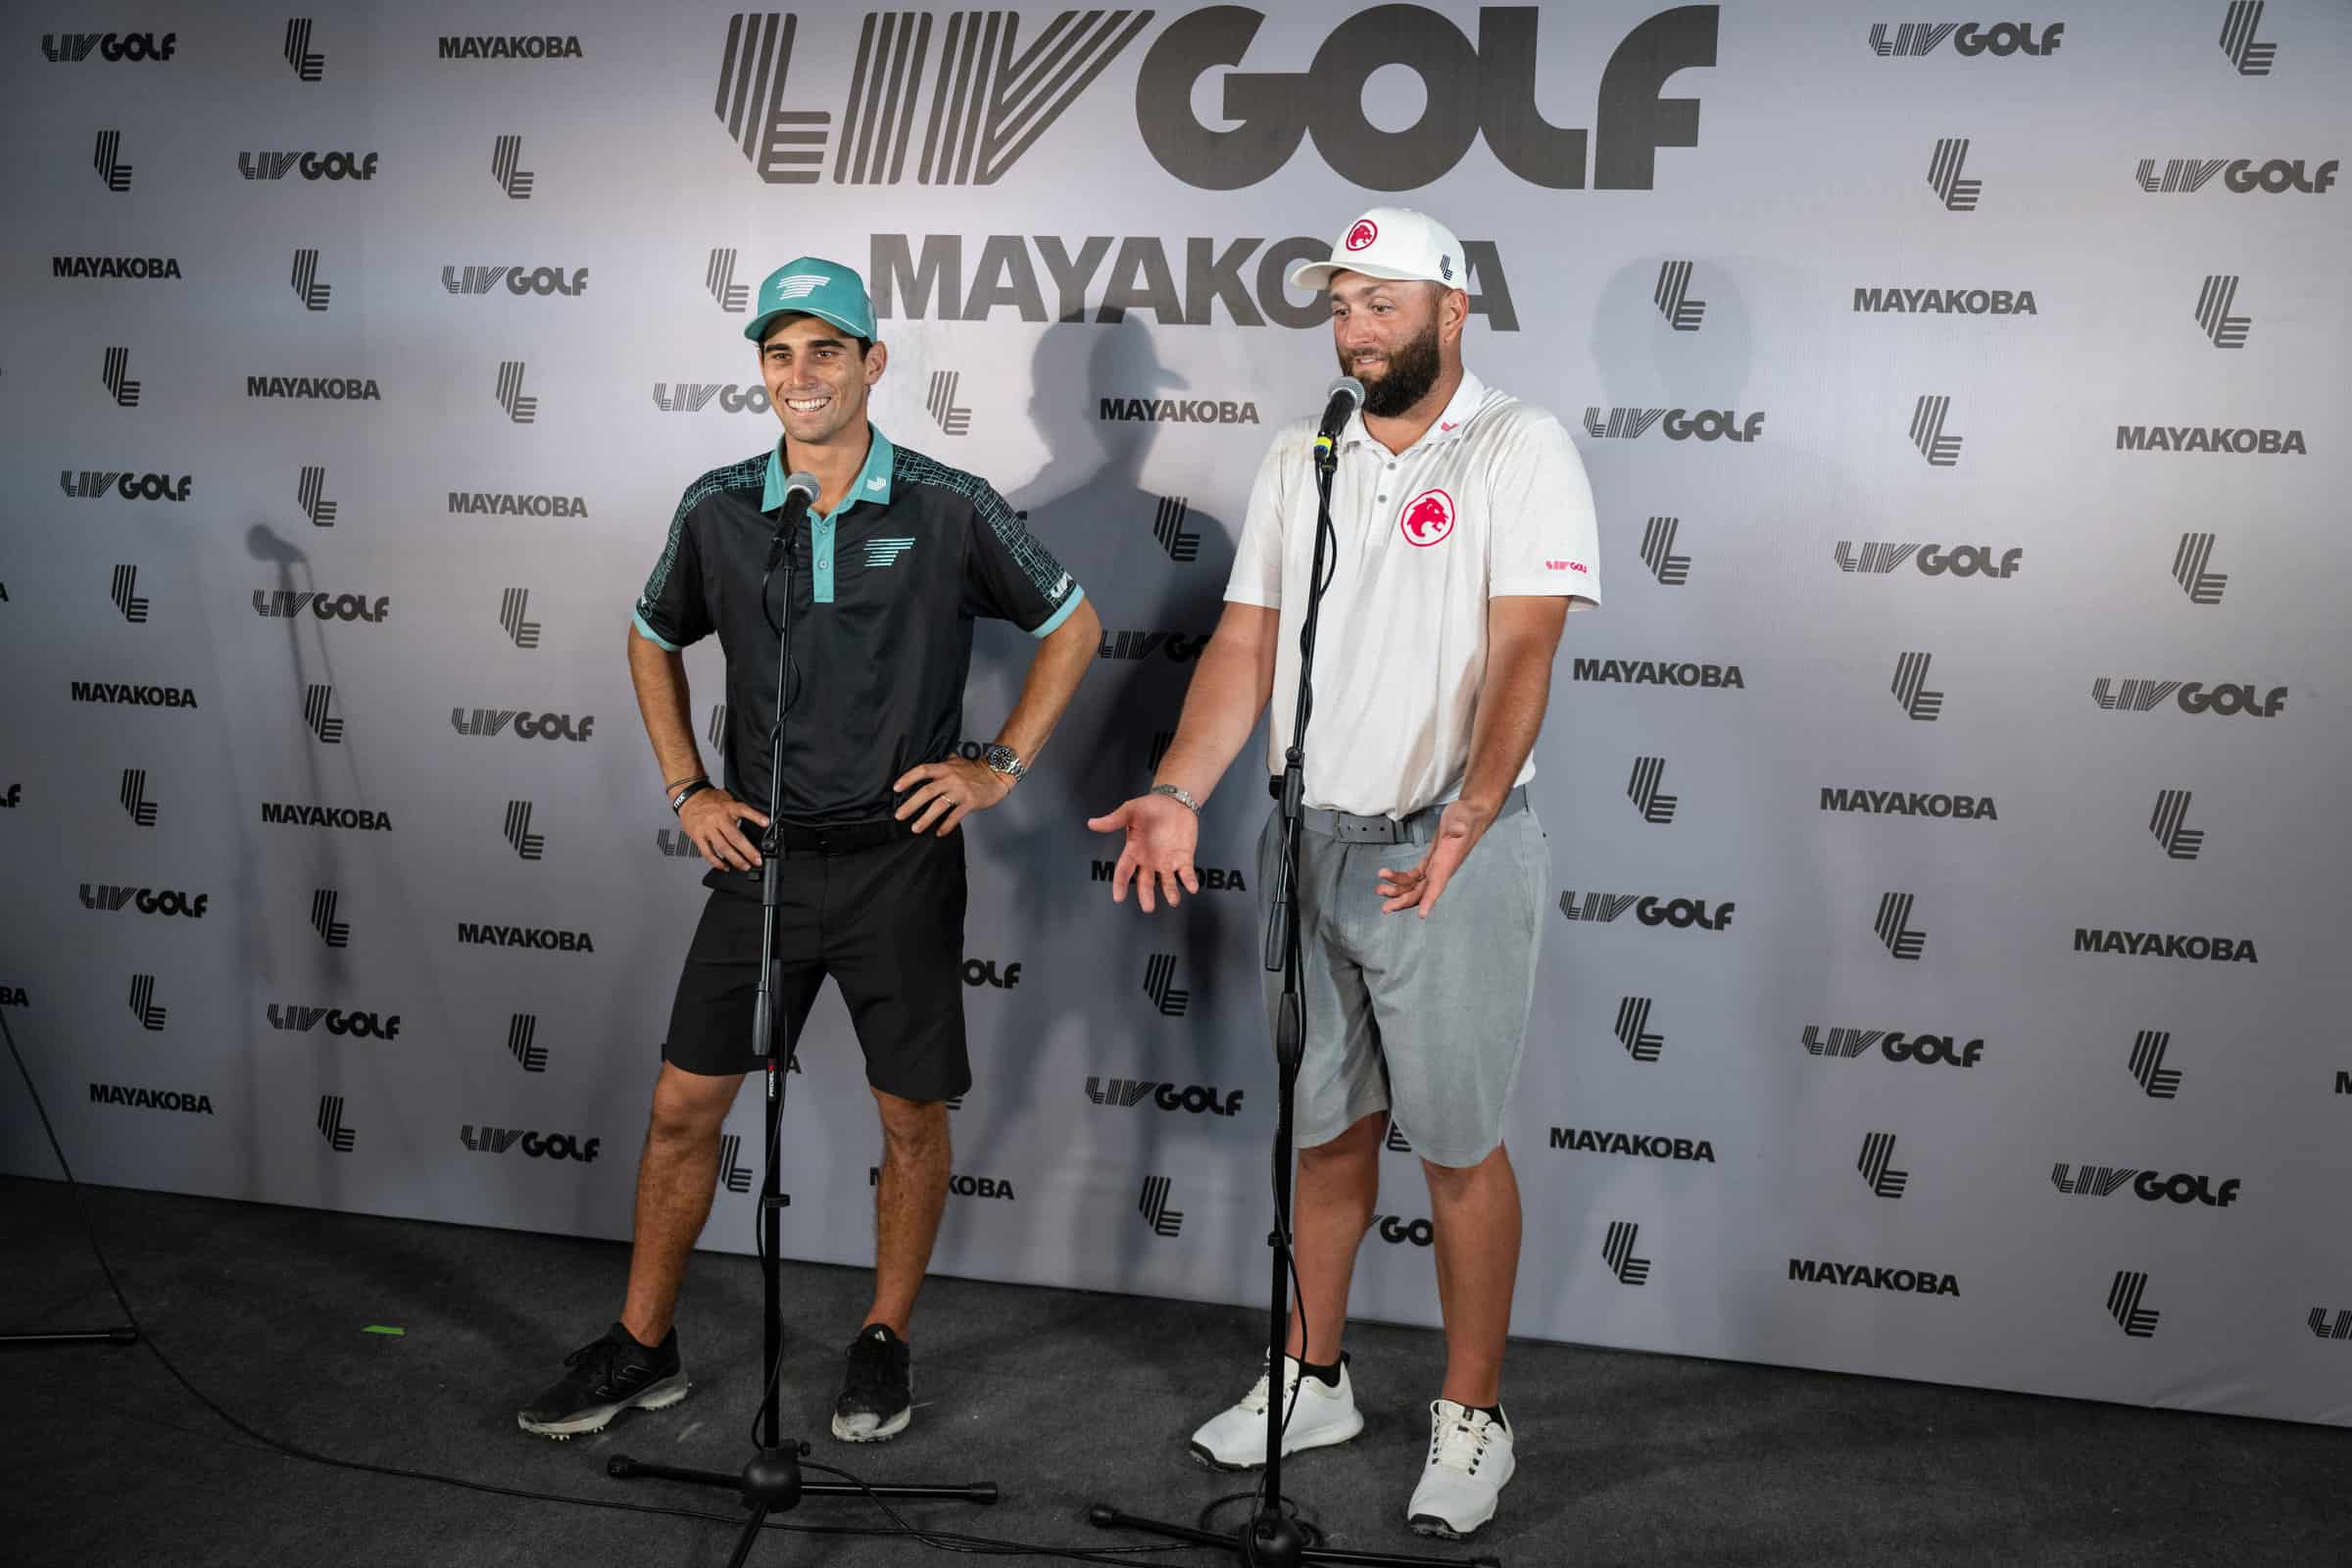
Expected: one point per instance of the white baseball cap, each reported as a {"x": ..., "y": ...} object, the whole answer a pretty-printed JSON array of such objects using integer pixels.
[{"x": 1392, "y": 242}]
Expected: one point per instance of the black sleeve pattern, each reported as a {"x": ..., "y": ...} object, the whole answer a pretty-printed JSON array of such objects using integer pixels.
[
  {"x": 1011, "y": 575},
  {"x": 672, "y": 603}
]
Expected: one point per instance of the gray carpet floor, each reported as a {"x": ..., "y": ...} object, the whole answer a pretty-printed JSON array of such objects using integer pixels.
[{"x": 1062, "y": 1398}]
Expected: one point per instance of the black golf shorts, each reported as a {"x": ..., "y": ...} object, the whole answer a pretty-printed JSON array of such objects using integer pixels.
[{"x": 886, "y": 922}]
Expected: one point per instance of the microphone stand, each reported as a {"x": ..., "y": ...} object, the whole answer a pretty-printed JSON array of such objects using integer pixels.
[
  {"x": 1271, "y": 1537},
  {"x": 770, "y": 1481}
]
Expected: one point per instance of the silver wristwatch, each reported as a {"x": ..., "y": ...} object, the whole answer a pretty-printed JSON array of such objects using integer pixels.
[{"x": 1004, "y": 759}]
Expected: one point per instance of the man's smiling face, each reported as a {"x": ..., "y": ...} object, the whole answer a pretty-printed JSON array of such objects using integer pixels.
[{"x": 817, "y": 380}]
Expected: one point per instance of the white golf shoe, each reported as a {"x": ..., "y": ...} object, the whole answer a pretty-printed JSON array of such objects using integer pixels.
[
  {"x": 1469, "y": 1461},
  {"x": 1321, "y": 1415}
]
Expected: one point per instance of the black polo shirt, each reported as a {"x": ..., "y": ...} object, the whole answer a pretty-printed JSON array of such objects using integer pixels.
[{"x": 884, "y": 593}]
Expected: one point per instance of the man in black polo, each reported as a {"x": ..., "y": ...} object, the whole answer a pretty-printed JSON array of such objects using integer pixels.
[{"x": 897, "y": 556}]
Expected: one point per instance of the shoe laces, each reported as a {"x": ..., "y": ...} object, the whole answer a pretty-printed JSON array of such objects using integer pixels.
[
  {"x": 1254, "y": 1401},
  {"x": 1460, "y": 1440},
  {"x": 869, "y": 1365}
]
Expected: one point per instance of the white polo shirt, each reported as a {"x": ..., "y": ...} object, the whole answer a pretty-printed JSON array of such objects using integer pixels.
[{"x": 1492, "y": 501}]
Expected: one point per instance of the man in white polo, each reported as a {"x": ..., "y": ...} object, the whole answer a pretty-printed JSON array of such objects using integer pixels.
[{"x": 1465, "y": 533}]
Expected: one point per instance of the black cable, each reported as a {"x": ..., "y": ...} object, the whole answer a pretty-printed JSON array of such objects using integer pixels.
[
  {"x": 943, "y": 1540},
  {"x": 774, "y": 1126}
]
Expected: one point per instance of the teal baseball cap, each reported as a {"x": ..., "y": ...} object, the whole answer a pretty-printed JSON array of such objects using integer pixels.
[{"x": 811, "y": 285}]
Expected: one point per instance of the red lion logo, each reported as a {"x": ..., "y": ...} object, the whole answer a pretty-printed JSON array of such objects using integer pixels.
[
  {"x": 1428, "y": 517},
  {"x": 1362, "y": 234}
]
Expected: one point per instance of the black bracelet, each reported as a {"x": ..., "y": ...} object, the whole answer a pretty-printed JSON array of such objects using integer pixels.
[{"x": 688, "y": 792}]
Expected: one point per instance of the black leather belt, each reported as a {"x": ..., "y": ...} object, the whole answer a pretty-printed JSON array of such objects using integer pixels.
[{"x": 844, "y": 838}]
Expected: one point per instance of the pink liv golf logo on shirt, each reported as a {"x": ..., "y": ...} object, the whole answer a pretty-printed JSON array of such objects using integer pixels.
[{"x": 1428, "y": 518}]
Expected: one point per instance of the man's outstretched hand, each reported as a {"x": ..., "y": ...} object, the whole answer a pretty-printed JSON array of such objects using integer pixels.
[{"x": 1161, "y": 835}]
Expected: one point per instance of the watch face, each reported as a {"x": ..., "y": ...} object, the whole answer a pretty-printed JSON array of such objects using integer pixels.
[{"x": 1002, "y": 760}]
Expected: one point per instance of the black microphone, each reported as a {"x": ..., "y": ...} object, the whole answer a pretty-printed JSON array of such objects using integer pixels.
[
  {"x": 799, "y": 494},
  {"x": 1345, "y": 396}
]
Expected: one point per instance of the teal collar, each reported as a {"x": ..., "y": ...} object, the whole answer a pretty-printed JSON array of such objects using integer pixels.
[{"x": 871, "y": 484}]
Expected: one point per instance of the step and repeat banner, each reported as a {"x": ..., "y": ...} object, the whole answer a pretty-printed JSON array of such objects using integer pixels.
[{"x": 1945, "y": 976}]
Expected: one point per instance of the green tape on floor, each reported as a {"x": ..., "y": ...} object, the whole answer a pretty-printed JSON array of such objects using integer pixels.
[{"x": 384, "y": 1328}]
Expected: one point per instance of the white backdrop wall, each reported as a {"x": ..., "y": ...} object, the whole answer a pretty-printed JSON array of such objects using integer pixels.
[{"x": 2000, "y": 1040}]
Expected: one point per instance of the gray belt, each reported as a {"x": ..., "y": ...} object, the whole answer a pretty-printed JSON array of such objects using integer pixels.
[{"x": 1349, "y": 828}]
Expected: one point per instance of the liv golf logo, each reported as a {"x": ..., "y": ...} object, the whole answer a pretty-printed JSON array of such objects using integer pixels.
[
  {"x": 1894, "y": 929},
  {"x": 1159, "y": 984},
  {"x": 1182, "y": 544},
  {"x": 2139, "y": 695},
  {"x": 2214, "y": 300},
  {"x": 308, "y": 66},
  {"x": 1924, "y": 1050},
  {"x": 135, "y": 797},
  {"x": 1013, "y": 95},
  {"x": 514, "y": 610},
  {"x": 527, "y": 844},
  {"x": 1655, "y": 806},
  {"x": 1707, "y": 424},
  {"x": 143, "y": 1005},
  {"x": 2123, "y": 1305},
  {"x": 310, "y": 493},
  {"x": 113, "y": 171},
  {"x": 1164, "y": 1221},
  {"x": 1877, "y": 1166},
  {"x": 2238, "y": 24},
  {"x": 126, "y": 596},
  {"x": 307, "y": 287},
  {"x": 318, "y": 712},
  {"x": 72, "y": 48},
  {"x": 1944, "y": 176},
  {"x": 1618, "y": 1251},
  {"x": 521, "y": 408},
  {"x": 2240, "y": 176},
  {"x": 1680, "y": 914},
  {"x": 1911, "y": 688},
  {"x": 339, "y": 1137},
  {"x": 1970, "y": 38},
  {"x": 731, "y": 1169},
  {"x": 990, "y": 98},
  {"x": 1877, "y": 558},
  {"x": 2168, "y": 824},
  {"x": 1633, "y": 1030},
  {"x": 506, "y": 167},
  {"x": 2155, "y": 1079},
  {"x": 115, "y": 373},
  {"x": 1658, "y": 553},
  {"x": 953, "y": 417},
  {"x": 522, "y": 1034},
  {"x": 2188, "y": 569},
  {"x": 1673, "y": 297},
  {"x": 1926, "y": 432},
  {"x": 331, "y": 931},
  {"x": 719, "y": 278}
]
